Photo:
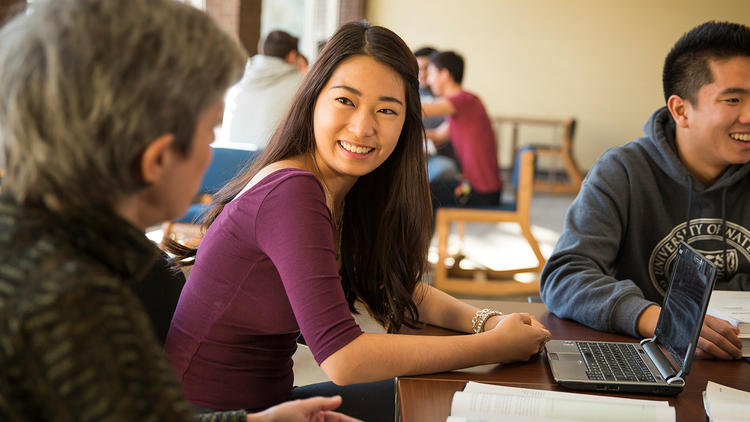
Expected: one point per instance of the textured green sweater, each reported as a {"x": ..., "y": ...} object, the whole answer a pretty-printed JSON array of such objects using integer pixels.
[{"x": 75, "y": 343}]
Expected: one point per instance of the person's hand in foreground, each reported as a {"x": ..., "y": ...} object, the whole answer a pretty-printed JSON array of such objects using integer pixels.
[{"x": 315, "y": 409}]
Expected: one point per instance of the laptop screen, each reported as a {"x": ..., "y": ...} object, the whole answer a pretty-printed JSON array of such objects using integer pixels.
[{"x": 684, "y": 307}]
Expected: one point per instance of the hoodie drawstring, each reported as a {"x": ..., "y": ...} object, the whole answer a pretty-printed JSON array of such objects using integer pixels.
[
  {"x": 723, "y": 223},
  {"x": 724, "y": 232},
  {"x": 690, "y": 206}
]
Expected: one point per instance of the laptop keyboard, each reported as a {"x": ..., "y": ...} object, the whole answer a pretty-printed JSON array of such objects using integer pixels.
[{"x": 614, "y": 362}]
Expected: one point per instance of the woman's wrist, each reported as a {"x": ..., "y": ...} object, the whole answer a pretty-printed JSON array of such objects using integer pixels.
[
  {"x": 480, "y": 319},
  {"x": 492, "y": 322}
]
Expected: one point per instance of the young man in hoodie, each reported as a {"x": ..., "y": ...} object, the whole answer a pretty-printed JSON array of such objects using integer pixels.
[
  {"x": 257, "y": 103},
  {"x": 686, "y": 179}
]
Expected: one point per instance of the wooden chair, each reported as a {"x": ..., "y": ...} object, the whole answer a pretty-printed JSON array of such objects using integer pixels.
[
  {"x": 485, "y": 281},
  {"x": 571, "y": 180}
]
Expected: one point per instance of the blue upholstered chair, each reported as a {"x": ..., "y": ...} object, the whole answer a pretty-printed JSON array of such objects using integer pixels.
[
  {"x": 226, "y": 162},
  {"x": 484, "y": 281}
]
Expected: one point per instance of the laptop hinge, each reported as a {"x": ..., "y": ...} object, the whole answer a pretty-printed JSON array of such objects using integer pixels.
[{"x": 662, "y": 362}]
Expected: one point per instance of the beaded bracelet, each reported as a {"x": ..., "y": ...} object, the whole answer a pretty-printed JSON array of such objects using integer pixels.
[{"x": 481, "y": 317}]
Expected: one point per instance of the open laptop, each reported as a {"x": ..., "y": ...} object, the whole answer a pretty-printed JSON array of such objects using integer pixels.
[{"x": 644, "y": 367}]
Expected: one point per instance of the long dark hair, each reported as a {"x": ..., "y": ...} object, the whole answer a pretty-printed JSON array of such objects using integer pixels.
[{"x": 388, "y": 215}]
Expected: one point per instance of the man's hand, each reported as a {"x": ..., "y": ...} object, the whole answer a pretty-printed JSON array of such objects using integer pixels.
[
  {"x": 719, "y": 340},
  {"x": 718, "y": 337},
  {"x": 315, "y": 409}
]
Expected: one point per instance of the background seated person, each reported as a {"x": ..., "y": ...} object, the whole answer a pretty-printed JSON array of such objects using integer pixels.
[
  {"x": 686, "y": 179},
  {"x": 302, "y": 64},
  {"x": 469, "y": 129},
  {"x": 255, "y": 105},
  {"x": 441, "y": 162}
]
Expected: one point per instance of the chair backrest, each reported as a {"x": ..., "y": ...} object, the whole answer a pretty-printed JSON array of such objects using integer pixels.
[
  {"x": 523, "y": 179},
  {"x": 570, "y": 131},
  {"x": 225, "y": 164}
]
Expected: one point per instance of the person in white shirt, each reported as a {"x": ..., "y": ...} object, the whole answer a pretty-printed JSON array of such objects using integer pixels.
[{"x": 255, "y": 105}]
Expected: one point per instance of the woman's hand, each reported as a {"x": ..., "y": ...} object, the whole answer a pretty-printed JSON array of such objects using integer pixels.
[
  {"x": 494, "y": 320},
  {"x": 315, "y": 409},
  {"x": 516, "y": 337}
]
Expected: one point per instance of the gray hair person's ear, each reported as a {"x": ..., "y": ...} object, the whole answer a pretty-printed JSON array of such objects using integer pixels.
[{"x": 152, "y": 161}]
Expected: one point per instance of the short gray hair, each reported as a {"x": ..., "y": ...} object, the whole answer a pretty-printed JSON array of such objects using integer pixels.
[{"x": 85, "y": 85}]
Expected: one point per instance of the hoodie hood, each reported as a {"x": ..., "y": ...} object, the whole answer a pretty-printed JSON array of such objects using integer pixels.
[
  {"x": 264, "y": 71},
  {"x": 659, "y": 143}
]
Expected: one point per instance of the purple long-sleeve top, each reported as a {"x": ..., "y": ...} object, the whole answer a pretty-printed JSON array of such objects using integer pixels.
[{"x": 265, "y": 270}]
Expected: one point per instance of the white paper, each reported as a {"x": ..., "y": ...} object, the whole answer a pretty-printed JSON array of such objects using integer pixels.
[
  {"x": 502, "y": 419},
  {"x": 726, "y": 404},
  {"x": 733, "y": 306},
  {"x": 490, "y": 406},
  {"x": 477, "y": 387}
]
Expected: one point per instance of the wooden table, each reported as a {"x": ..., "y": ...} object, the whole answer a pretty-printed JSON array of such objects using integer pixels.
[{"x": 427, "y": 398}]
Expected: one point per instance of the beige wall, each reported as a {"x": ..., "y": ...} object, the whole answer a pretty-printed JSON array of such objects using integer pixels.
[{"x": 597, "y": 60}]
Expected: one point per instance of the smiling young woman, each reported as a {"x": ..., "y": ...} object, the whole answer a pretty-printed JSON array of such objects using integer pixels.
[{"x": 276, "y": 261}]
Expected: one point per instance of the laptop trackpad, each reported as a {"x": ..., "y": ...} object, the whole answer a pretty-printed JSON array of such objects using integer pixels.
[
  {"x": 568, "y": 365},
  {"x": 567, "y": 356}
]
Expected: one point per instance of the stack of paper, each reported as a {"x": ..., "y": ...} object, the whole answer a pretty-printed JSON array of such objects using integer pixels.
[
  {"x": 733, "y": 306},
  {"x": 495, "y": 403},
  {"x": 725, "y": 404}
]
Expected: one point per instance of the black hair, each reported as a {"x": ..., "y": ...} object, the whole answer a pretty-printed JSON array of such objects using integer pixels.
[
  {"x": 451, "y": 61},
  {"x": 687, "y": 68},
  {"x": 278, "y": 44},
  {"x": 424, "y": 52}
]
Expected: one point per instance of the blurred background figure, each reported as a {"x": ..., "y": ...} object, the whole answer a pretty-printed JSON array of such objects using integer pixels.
[
  {"x": 301, "y": 63},
  {"x": 255, "y": 105},
  {"x": 423, "y": 60},
  {"x": 441, "y": 161}
]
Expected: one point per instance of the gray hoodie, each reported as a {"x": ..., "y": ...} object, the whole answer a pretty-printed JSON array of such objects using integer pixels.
[{"x": 621, "y": 233}]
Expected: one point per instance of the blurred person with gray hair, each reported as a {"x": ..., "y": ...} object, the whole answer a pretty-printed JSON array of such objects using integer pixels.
[
  {"x": 105, "y": 126},
  {"x": 257, "y": 103}
]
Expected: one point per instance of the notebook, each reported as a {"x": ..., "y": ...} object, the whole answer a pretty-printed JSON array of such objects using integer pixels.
[{"x": 644, "y": 367}]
